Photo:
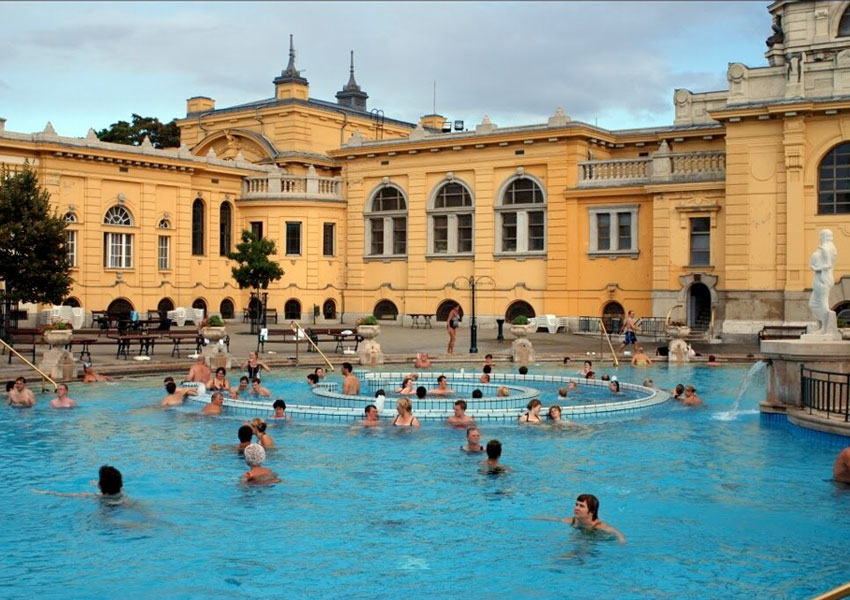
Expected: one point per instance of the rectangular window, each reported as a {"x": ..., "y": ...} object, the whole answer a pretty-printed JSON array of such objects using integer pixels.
[
  {"x": 257, "y": 229},
  {"x": 328, "y": 239},
  {"x": 603, "y": 231},
  {"x": 701, "y": 241},
  {"x": 164, "y": 253},
  {"x": 118, "y": 250},
  {"x": 377, "y": 234},
  {"x": 441, "y": 234},
  {"x": 293, "y": 238},
  {"x": 71, "y": 246},
  {"x": 536, "y": 237},
  {"x": 624, "y": 230},
  {"x": 399, "y": 235},
  {"x": 509, "y": 231},
  {"x": 464, "y": 233}
]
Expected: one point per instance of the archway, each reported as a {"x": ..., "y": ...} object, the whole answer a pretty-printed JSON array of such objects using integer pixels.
[
  {"x": 71, "y": 302},
  {"x": 164, "y": 305},
  {"x": 446, "y": 307},
  {"x": 842, "y": 311},
  {"x": 120, "y": 308},
  {"x": 385, "y": 309},
  {"x": 292, "y": 309},
  {"x": 329, "y": 309},
  {"x": 520, "y": 307},
  {"x": 226, "y": 308},
  {"x": 613, "y": 314},
  {"x": 201, "y": 304},
  {"x": 699, "y": 307}
]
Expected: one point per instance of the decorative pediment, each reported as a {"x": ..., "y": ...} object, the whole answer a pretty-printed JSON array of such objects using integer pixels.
[{"x": 235, "y": 144}]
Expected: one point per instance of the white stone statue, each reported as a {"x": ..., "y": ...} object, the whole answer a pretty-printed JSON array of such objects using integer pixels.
[{"x": 823, "y": 263}]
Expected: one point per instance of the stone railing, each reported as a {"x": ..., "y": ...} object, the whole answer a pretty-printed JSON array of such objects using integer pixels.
[
  {"x": 291, "y": 187},
  {"x": 662, "y": 167}
]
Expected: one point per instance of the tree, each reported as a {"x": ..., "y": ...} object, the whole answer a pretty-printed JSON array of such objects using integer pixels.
[
  {"x": 161, "y": 135},
  {"x": 33, "y": 258},
  {"x": 255, "y": 270}
]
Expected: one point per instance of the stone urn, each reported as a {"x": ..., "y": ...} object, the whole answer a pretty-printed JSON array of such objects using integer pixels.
[
  {"x": 369, "y": 332},
  {"x": 58, "y": 362},
  {"x": 58, "y": 338},
  {"x": 522, "y": 351},
  {"x": 678, "y": 332},
  {"x": 369, "y": 353},
  {"x": 213, "y": 334},
  {"x": 521, "y": 331}
]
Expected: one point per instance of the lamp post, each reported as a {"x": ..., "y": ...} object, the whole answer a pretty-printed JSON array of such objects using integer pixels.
[{"x": 472, "y": 281}]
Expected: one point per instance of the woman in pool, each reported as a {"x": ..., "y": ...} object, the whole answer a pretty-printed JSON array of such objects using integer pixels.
[
  {"x": 555, "y": 413},
  {"x": 614, "y": 387},
  {"x": 405, "y": 417},
  {"x": 533, "y": 414},
  {"x": 406, "y": 387},
  {"x": 259, "y": 427},
  {"x": 253, "y": 366},
  {"x": 254, "y": 457},
  {"x": 586, "y": 517},
  {"x": 219, "y": 382}
]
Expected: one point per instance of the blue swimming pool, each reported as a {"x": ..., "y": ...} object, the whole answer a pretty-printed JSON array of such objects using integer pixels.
[{"x": 710, "y": 508}]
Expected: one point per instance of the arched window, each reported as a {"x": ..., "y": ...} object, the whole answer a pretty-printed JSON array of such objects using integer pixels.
[
  {"x": 834, "y": 181},
  {"x": 71, "y": 302},
  {"x": 612, "y": 316},
  {"x": 70, "y": 217},
  {"x": 292, "y": 309},
  {"x": 446, "y": 307},
  {"x": 450, "y": 219},
  {"x": 198, "y": 227},
  {"x": 385, "y": 309},
  {"x": 844, "y": 24},
  {"x": 119, "y": 308},
  {"x": 225, "y": 227},
  {"x": 164, "y": 305},
  {"x": 117, "y": 246},
  {"x": 518, "y": 308},
  {"x": 329, "y": 309},
  {"x": 521, "y": 218},
  {"x": 226, "y": 308},
  {"x": 163, "y": 224},
  {"x": 386, "y": 223},
  {"x": 201, "y": 304}
]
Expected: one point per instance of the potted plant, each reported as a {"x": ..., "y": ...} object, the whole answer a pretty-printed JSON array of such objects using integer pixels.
[
  {"x": 677, "y": 330},
  {"x": 521, "y": 326},
  {"x": 368, "y": 327},
  {"x": 58, "y": 333},
  {"x": 213, "y": 328}
]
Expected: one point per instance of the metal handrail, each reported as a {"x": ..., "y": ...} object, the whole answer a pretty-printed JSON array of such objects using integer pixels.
[
  {"x": 842, "y": 591},
  {"x": 296, "y": 327},
  {"x": 711, "y": 326},
  {"x": 29, "y": 364},
  {"x": 611, "y": 346},
  {"x": 825, "y": 391}
]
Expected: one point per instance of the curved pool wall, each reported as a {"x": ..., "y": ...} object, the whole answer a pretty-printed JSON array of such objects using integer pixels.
[{"x": 329, "y": 404}]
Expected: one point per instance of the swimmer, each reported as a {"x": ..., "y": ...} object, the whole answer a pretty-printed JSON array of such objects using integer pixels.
[
  {"x": 175, "y": 396},
  {"x": 214, "y": 407},
  {"x": 523, "y": 370},
  {"x": 406, "y": 387},
  {"x": 562, "y": 393},
  {"x": 488, "y": 360},
  {"x": 473, "y": 439},
  {"x": 442, "y": 388},
  {"x": 477, "y": 394},
  {"x": 712, "y": 361},
  {"x": 254, "y": 457},
  {"x": 691, "y": 398},
  {"x": 259, "y": 427},
  {"x": 460, "y": 418},
  {"x": 279, "y": 407},
  {"x": 587, "y": 368},
  {"x": 533, "y": 414},
  {"x": 572, "y": 386},
  {"x": 641, "y": 359},
  {"x": 62, "y": 400},
  {"x": 421, "y": 392},
  {"x": 586, "y": 517},
  {"x": 199, "y": 372},
  {"x": 590, "y": 375},
  {"x": 648, "y": 383},
  {"x": 253, "y": 365},
  {"x": 246, "y": 435},
  {"x": 219, "y": 382},
  {"x": 242, "y": 389},
  {"x": 605, "y": 377},
  {"x": 492, "y": 465},
  {"x": 405, "y": 417},
  {"x": 371, "y": 417},
  {"x": 567, "y": 361},
  {"x": 555, "y": 413},
  {"x": 350, "y": 383},
  {"x": 258, "y": 390},
  {"x": 841, "y": 468},
  {"x": 92, "y": 376},
  {"x": 422, "y": 361},
  {"x": 110, "y": 482},
  {"x": 677, "y": 392},
  {"x": 319, "y": 372},
  {"x": 503, "y": 392},
  {"x": 20, "y": 395},
  {"x": 312, "y": 379},
  {"x": 485, "y": 378},
  {"x": 614, "y": 387}
]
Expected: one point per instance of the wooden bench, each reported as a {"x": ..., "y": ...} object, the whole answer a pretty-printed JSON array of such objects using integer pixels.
[
  {"x": 187, "y": 337},
  {"x": 271, "y": 313},
  {"x": 335, "y": 335},
  {"x": 24, "y": 339},
  {"x": 279, "y": 336},
  {"x": 782, "y": 332}
]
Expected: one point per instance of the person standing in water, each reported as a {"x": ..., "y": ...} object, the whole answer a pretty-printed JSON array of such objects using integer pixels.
[{"x": 586, "y": 517}]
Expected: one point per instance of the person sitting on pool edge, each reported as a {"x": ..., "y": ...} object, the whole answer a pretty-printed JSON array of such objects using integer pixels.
[
  {"x": 712, "y": 361},
  {"x": 254, "y": 457},
  {"x": 460, "y": 418},
  {"x": 92, "y": 376},
  {"x": 214, "y": 407},
  {"x": 488, "y": 361},
  {"x": 586, "y": 517},
  {"x": 372, "y": 418},
  {"x": 533, "y": 414},
  {"x": 442, "y": 388},
  {"x": 494, "y": 453},
  {"x": 279, "y": 407},
  {"x": 473, "y": 438}
]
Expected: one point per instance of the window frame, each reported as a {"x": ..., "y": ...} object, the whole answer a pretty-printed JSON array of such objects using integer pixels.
[
  {"x": 225, "y": 228},
  {"x": 453, "y": 216},
  {"x": 702, "y": 234},
  {"x": 199, "y": 245},
  {"x": 834, "y": 181},
  {"x": 613, "y": 212},
  {"x": 329, "y": 239},
  {"x": 389, "y": 220},
  {"x": 522, "y": 222},
  {"x": 297, "y": 225},
  {"x": 115, "y": 219},
  {"x": 159, "y": 253},
  {"x": 71, "y": 247}
]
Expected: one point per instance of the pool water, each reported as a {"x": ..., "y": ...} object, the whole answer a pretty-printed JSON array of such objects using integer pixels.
[{"x": 710, "y": 508}]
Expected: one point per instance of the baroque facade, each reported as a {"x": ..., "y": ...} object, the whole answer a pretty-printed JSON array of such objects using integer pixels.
[{"x": 710, "y": 220}]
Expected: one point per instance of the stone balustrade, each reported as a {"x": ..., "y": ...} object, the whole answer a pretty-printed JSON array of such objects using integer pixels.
[
  {"x": 662, "y": 167},
  {"x": 291, "y": 187}
]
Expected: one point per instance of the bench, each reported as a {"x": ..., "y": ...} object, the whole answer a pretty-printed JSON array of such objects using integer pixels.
[
  {"x": 188, "y": 337},
  {"x": 782, "y": 332},
  {"x": 87, "y": 338},
  {"x": 279, "y": 336},
  {"x": 24, "y": 339},
  {"x": 337, "y": 335}
]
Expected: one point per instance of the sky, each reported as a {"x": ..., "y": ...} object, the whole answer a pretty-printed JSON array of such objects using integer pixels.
[{"x": 90, "y": 64}]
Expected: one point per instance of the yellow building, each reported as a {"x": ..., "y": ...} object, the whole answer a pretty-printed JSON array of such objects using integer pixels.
[{"x": 711, "y": 219}]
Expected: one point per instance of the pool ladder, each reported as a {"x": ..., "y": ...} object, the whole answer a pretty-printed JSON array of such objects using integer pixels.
[
  {"x": 608, "y": 339},
  {"x": 30, "y": 365},
  {"x": 296, "y": 327}
]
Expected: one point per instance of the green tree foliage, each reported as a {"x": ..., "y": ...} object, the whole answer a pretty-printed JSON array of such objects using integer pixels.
[
  {"x": 161, "y": 135},
  {"x": 33, "y": 258},
  {"x": 255, "y": 270}
]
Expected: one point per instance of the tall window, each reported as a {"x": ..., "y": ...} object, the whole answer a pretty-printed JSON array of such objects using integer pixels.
[
  {"x": 834, "y": 182},
  {"x": 164, "y": 253},
  {"x": 701, "y": 241},
  {"x": 198, "y": 227},
  {"x": 117, "y": 246},
  {"x": 613, "y": 230},
  {"x": 293, "y": 238},
  {"x": 844, "y": 24},
  {"x": 257, "y": 229},
  {"x": 451, "y": 220},
  {"x": 386, "y": 220},
  {"x": 521, "y": 218},
  {"x": 328, "y": 239},
  {"x": 71, "y": 246},
  {"x": 225, "y": 228}
]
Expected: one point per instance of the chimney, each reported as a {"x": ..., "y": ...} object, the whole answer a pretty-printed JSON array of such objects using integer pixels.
[{"x": 198, "y": 104}]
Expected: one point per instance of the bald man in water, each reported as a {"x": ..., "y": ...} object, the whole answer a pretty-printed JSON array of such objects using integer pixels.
[{"x": 841, "y": 468}]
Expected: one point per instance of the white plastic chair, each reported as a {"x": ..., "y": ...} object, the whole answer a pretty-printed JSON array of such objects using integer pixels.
[{"x": 550, "y": 322}]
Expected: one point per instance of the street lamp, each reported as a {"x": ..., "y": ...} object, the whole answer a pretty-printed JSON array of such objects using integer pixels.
[{"x": 472, "y": 281}]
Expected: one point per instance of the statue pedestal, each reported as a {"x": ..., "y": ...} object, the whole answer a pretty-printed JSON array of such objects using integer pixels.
[
  {"x": 522, "y": 351},
  {"x": 370, "y": 354},
  {"x": 59, "y": 364},
  {"x": 678, "y": 351},
  {"x": 822, "y": 352},
  {"x": 217, "y": 356}
]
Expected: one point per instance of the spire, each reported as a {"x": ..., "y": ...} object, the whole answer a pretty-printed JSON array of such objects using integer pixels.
[
  {"x": 291, "y": 74},
  {"x": 351, "y": 95}
]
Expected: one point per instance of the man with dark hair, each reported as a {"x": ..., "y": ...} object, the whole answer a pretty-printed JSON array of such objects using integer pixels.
[
  {"x": 20, "y": 395},
  {"x": 110, "y": 481},
  {"x": 372, "y": 418},
  {"x": 460, "y": 418},
  {"x": 62, "y": 400},
  {"x": 421, "y": 392},
  {"x": 523, "y": 370},
  {"x": 174, "y": 396},
  {"x": 258, "y": 390},
  {"x": 244, "y": 382},
  {"x": 476, "y": 393},
  {"x": 442, "y": 388},
  {"x": 312, "y": 379},
  {"x": 350, "y": 383},
  {"x": 485, "y": 375},
  {"x": 488, "y": 360},
  {"x": 245, "y": 434},
  {"x": 494, "y": 452}
]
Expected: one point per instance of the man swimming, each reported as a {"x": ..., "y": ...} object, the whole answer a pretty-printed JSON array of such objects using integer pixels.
[
  {"x": 110, "y": 482},
  {"x": 62, "y": 400}
]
